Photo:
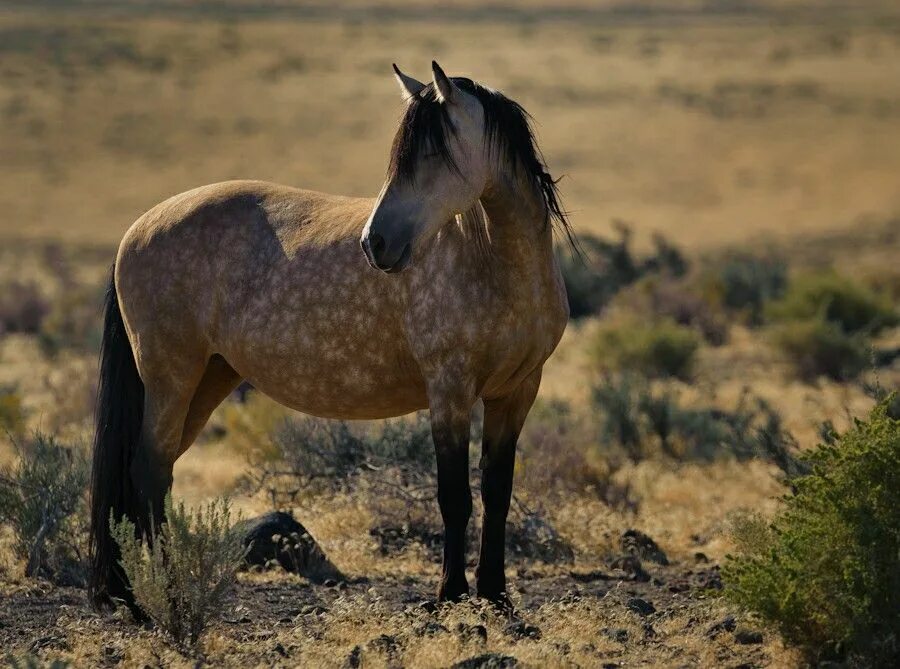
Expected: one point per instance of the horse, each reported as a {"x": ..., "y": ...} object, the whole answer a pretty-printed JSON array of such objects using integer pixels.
[{"x": 454, "y": 297}]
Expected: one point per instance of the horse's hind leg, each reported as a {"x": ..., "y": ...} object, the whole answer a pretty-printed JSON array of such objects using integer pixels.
[
  {"x": 219, "y": 380},
  {"x": 503, "y": 420},
  {"x": 170, "y": 385}
]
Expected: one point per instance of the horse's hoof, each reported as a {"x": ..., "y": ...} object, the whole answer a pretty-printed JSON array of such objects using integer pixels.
[
  {"x": 500, "y": 602},
  {"x": 453, "y": 593}
]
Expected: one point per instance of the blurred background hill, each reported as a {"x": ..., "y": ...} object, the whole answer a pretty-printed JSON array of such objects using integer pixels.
[{"x": 718, "y": 121}]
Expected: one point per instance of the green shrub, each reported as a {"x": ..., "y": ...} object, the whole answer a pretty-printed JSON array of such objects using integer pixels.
[
  {"x": 851, "y": 306},
  {"x": 644, "y": 421},
  {"x": 826, "y": 571},
  {"x": 181, "y": 577},
  {"x": 43, "y": 500},
  {"x": 816, "y": 347},
  {"x": 653, "y": 349},
  {"x": 743, "y": 283}
]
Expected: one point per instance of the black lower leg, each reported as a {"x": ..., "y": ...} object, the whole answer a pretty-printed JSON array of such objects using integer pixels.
[
  {"x": 496, "y": 490},
  {"x": 455, "y": 500}
]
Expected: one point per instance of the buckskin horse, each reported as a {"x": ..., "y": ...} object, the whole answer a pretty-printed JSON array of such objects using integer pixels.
[{"x": 454, "y": 297}]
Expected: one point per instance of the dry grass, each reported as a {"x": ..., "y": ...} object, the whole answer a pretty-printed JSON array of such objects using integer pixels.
[{"x": 724, "y": 130}]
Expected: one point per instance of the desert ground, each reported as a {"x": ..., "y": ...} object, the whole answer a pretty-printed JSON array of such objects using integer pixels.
[{"x": 772, "y": 130}]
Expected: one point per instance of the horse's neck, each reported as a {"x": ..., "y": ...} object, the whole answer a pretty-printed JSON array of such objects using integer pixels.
[
  {"x": 519, "y": 229},
  {"x": 515, "y": 262}
]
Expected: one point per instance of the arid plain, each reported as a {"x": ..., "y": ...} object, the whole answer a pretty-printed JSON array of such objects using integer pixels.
[{"x": 772, "y": 132}]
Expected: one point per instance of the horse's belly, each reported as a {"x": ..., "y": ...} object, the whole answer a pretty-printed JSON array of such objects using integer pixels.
[{"x": 335, "y": 380}]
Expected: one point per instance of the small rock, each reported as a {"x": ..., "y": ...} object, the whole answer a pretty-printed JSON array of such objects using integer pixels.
[
  {"x": 649, "y": 632},
  {"x": 472, "y": 632},
  {"x": 611, "y": 665},
  {"x": 428, "y": 606},
  {"x": 727, "y": 624},
  {"x": 635, "y": 542},
  {"x": 386, "y": 645},
  {"x": 522, "y": 630},
  {"x": 330, "y": 583},
  {"x": 243, "y": 620},
  {"x": 701, "y": 558},
  {"x": 710, "y": 579},
  {"x": 430, "y": 628},
  {"x": 280, "y": 650},
  {"x": 640, "y": 606},
  {"x": 589, "y": 577},
  {"x": 277, "y": 538},
  {"x": 632, "y": 567},
  {"x": 748, "y": 637},
  {"x": 488, "y": 661},
  {"x": 353, "y": 659},
  {"x": 679, "y": 586}
]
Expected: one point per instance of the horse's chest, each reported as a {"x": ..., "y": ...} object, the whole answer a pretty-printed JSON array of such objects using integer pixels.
[{"x": 498, "y": 336}]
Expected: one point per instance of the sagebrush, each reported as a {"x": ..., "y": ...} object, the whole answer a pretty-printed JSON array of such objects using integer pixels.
[
  {"x": 835, "y": 299},
  {"x": 181, "y": 574},
  {"x": 664, "y": 348},
  {"x": 744, "y": 283},
  {"x": 646, "y": 420},
  {"x": 605, "y": 266},
  {"x": 43, "y": 500},
  {"x": 826, "y": 570}
]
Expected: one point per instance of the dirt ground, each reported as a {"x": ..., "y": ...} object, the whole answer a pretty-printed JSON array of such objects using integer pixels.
[
  {"x": 594, "y": 618},
  {"x": 773, "y": 127}
]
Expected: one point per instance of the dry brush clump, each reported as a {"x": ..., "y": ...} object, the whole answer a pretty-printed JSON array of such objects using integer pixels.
[
  {"x": 647, "y": 420},
  {"x": 661, "y": 348},
  {"x": 12, "y": 412},
  {"x": 826, "y": 570},
  {"x": 604, "y": 267},
  {"x": 181, "y": 575},
  {"x": 390, "y": 464},
  {"x": 743, "y": 283},
  {"x": 23, "y": 307},
  {"x": 43, "y": 501},
  {"x": 824, "y": 324}
]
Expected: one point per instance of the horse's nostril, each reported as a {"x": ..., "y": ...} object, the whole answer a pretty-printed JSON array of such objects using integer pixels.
[{"x": 376, "y": 244}]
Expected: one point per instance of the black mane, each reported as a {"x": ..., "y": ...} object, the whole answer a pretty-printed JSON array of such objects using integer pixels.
[{"x": 426, "y": 124}]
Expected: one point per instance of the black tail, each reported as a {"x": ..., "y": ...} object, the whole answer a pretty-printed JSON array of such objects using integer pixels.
[{"x": 120, "y": 411}]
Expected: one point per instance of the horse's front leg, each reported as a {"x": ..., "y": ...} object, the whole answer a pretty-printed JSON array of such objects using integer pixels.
[
  {"x": 450, "y": 425},
  {"x": 503, "y": 420}
]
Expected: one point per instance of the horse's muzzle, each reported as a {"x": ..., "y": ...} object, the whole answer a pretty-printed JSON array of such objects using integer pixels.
[{"x": 386, "y": 258}]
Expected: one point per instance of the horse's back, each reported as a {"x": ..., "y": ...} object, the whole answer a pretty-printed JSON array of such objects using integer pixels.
[
  {"x": 272, "y": 279},
  {"x": 239, "y": 207}
]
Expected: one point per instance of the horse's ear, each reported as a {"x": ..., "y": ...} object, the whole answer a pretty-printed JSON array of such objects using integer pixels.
[
  {"x": 410, "y": 87},
  {"x": 446, "y": 89}
]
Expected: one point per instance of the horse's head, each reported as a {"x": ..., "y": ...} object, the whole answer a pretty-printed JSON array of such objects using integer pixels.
[{"x": 439, "y": 168}]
